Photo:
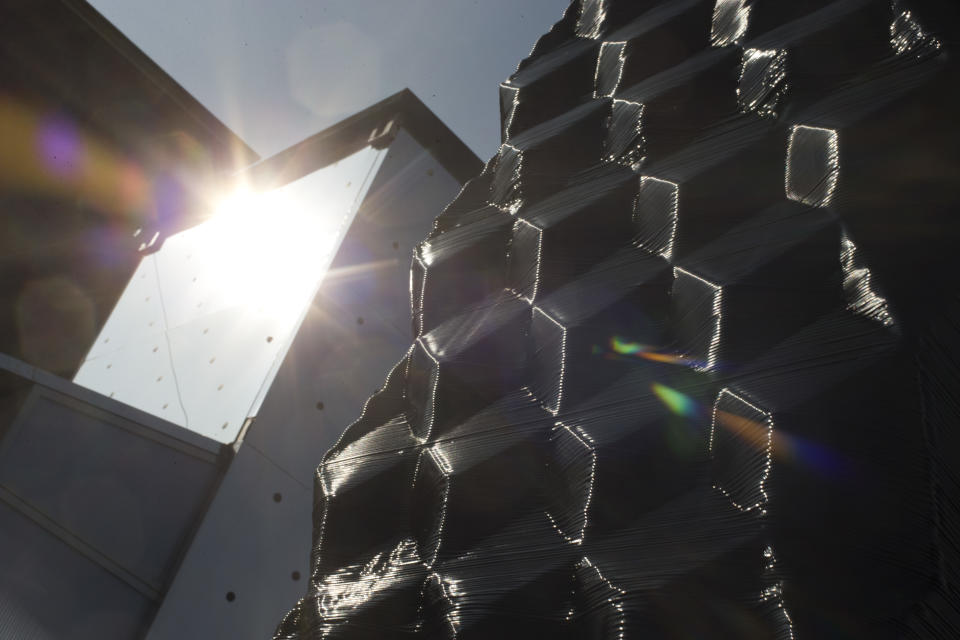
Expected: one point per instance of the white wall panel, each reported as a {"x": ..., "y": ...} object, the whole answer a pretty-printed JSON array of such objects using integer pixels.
[{"x": 198, "y": 333}]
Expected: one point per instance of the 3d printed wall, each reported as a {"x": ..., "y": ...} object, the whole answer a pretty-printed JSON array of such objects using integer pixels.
[{"x": 685, "y": 353}]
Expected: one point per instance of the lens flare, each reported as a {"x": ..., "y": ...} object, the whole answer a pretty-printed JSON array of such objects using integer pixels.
[
  {"x": 621, "y": 347},
  {"x": 679, "y": 403},
  {"x": 785, "y": 447},
  {"x": 59, "y": 146},
  {"x": 754, "y": 433},
  {"x": 46, "y": 154},
  {"x": 267, "y": 246}
]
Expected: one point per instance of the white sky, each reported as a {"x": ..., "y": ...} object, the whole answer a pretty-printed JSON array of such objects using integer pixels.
[{"x": 277, "y": 71}]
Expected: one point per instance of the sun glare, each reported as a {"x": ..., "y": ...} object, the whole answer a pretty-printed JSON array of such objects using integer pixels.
[{"x": 267, "y": 247}]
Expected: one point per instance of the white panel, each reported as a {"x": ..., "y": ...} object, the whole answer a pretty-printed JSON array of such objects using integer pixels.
[
  {"x": 220, "y": 373},
  {"x": 200, "y": 329},
  {"x": 335, "y": 360},
  {"x": 141, "y": 313},
  {"x": 252, "y": 553},
  {"x": 140, "y": 375},
  {"x": 247, "y": 543}
]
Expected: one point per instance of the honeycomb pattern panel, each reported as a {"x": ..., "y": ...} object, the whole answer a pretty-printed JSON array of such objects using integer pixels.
[
  {"x": 476, "y": 247},
  {"x": 548, "y": 247},
  {"x": 684, "y": 353}
]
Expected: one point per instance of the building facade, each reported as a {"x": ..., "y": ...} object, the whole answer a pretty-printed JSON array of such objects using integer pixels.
[{"x": 188, "y": 328}]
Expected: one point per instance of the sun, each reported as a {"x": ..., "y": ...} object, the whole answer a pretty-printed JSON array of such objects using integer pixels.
[{"x": 267, "y": 248}]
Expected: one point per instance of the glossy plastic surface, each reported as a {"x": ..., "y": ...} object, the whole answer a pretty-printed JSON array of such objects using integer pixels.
[{"x": 684, "y": 361}]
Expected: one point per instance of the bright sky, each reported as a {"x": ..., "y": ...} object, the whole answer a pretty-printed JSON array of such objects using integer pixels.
[{"x": 277, "y": 71}]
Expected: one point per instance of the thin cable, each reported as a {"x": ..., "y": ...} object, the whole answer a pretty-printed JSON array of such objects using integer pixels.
[{"x": 166, "y": 336}]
